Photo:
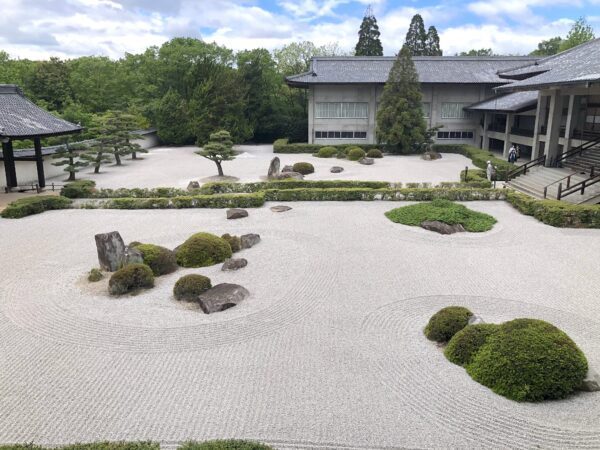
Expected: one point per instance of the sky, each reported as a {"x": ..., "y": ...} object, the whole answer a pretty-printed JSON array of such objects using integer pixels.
[{"x": 38, "y": 29}]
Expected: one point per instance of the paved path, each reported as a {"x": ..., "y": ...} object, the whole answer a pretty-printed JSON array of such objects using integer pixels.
[
  {"x": 177, "y": 166},
  {"x": 328, "y": 351}
]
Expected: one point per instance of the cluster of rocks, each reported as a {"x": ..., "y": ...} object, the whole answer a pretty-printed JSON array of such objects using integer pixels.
[
  {"x": 431, "y": 155},
  {"x": 288, "y": 171},
  {"x": 441, "y": 227},
  {"x": 113, "y": 253}
]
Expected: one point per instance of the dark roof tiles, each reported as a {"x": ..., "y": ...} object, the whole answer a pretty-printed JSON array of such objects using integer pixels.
[{"x": 513, "y": 102}]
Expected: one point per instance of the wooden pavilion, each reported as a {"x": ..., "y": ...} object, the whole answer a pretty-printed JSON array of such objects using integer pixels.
[{"x": 21, "y": 119}]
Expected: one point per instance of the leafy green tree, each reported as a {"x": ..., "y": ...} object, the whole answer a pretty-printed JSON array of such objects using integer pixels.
[
  {"x": 172, "y": 119},
  {"x": 432, "y": 43},
  {"x": 478, "y": 52},
  {"x": 218, "y": 149},
  {"x": 580, "y": 33},
  {"x": 369, "y": 43},
  {"x": 548, "y": 47},
  {"x": 50, "y": 83},
  {"x": 69, "y": 156},
  {"x": 400, "y": 122},
  {"x": 416, "y": 37}
]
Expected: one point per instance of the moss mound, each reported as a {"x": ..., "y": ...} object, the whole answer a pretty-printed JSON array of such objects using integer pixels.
[
  {"x": 327, "y": 152},
  {"x": 442, "y": 211},
  {"x": 188, "y": 287},
  {"x": 234, "y": 242},
  {"x": 160, "y": 259},
  {"x": 304, "y": 168},
  {"x": 529, "y": 360},
  {"x": 374, "y": 153},
  {"x": 203, "y": 249},
  {"x": 95, "y": 275},
  {"x": 355, "y": 153},
  {"x": 446, "y": 323},
  {"x": 467, "y": 342},
  {"x": 130, "y": 278},
  {"x": 231, "y": 444}
]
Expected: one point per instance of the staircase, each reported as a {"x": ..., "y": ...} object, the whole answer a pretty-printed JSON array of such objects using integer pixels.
[{"x": 584, "y": 161}]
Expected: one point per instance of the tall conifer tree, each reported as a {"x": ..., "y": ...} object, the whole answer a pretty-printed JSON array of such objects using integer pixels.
[
  {"x": 400, "y": 122},
  {"x": 432, "y": 44},
  {"x": 416, "y": 37},
  {"x": 369, "y": 43}
]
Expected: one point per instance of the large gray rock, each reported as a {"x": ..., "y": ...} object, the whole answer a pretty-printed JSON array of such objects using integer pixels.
[
  {"x": 441, "y": 227},
  {"x": 193, "y": 185},
  {"x": 287, "y": 169},
  {"x": 273, "y": 168},
  {"x": 431, "y": 156},
  {"x": 286, "y": 175},
  {"x": 591, "y": 382},
  {"x": 236, "y": 213},
  {"x": 367, "y": 161},
  {"x": 280, "y": 208},
  {"x": 249, "y": 240},
  {"x": 132, "y": 256},
  {"x": 336, "y": 169},
  {"x": 221, "y": 297},
  {"x": 111, "y": 250},
  {"x": 234, "y": 264}
]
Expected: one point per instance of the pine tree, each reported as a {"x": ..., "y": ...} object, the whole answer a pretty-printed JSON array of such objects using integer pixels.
[
  {"x": 218, "y": 149},
  {"x": 119, "y": 126},
  {"x": 400, "y": 122},
  {"x": 98, "y": 152},
  {"x": 369, "y": 43},
  {"x": 416, "y": 37},
  {"x": 69, "y": 156},
  {"x": 432, "y": 44}
]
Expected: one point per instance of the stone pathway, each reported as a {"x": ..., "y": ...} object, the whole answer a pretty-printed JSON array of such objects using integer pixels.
[{"x": 326, "y": 353}]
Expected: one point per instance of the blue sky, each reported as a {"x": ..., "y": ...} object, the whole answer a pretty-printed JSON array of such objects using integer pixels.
[{"x": 69, "y": 28}]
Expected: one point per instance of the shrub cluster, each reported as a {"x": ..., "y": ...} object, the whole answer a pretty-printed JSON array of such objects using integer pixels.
[
  {"x": 327, "y": 152},
  {"x": 446, "y": 323},
  {"x": 467, "y": 342},
  {"x": 304, "y": 168},
  {"x": 188, "y": 287},
  {"x": 79, "y": 189},
  {"x": 130, "y": 278},
  {"x": 252, "y": 200},
  {"x": 355, "y": 153},
  {"x": 224, "y": 188},
  {"x": 442, "y": 211},
  {"x": 160, "y": 259},
  {"x": 234, "y": 242},
  {"x": 529, "y": 360},
  {"x": 34, "y": 205},
  {"x": 230, "y": 444},
  {"x": 203, "y": 249},
  {"x": 283, "y": 146},
  {"x": 374, "y": 153},
  {"x": 95, "y": 275},
  {"x": 478, "y": 156}
]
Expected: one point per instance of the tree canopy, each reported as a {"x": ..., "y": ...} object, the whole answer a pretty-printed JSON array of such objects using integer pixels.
[
  {"x": 421, "y": 42},
  {"x": 368, "y": 43},
  {"x": 580, "y": 33}
]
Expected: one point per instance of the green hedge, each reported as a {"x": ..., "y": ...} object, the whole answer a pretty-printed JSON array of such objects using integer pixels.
[
  {"x": 283, "y": 146},
  {"x": 34, "y": 205},
  {"x": 252, "y": 200},
  {"x": 224, "y": 188},
  {"x": 556, "y": 213},
  {"x": 230, "y": 444},
  {"x": 79, "y": 189},
  {"x": 478, "y": 156}
]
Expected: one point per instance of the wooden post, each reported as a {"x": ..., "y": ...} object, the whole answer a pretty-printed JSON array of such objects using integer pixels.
[
  {"x": 39, "y": 162},
  {"x": 9, "y": 165}
]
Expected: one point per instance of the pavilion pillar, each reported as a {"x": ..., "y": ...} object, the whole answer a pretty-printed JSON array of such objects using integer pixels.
[
  {"x": 570, "y": 125},
  {"x": 9, "y": 164},
  {"x": 39, "y": 162},
  {"x": 553, "y": 128},
  {"x": 509, "y": 121},
  {"x": 539, "y": 122},
  {"x": 485, "y": 144}
]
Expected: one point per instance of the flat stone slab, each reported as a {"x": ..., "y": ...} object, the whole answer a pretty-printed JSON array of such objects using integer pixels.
[
  {"x": 336, "y": 169},
  {"x": 221, "y": 297},
  {"x": 367, "y": 161},
  {"x": 280, "y": 208},
  {"x": 287, "y": 175},
  {"x": 236, "y": 213},
  {"x": 234, "y": 264},
  {"x": 249, "y": 240},
  {"x": 441, "y": 227}
]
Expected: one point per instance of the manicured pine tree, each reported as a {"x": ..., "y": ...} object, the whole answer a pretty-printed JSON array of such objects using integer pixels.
[
  {"x": 120, "y": 126},
  {"x": 416, "y": 37},
  {"x": 400, "y": 122},
  {"x": 369, "y": 43},
  {"x": 218, "y": 149},
  {"x": 69, "y": 156},
  {"x": 432, "y": 44},
  {"x": 98, "y": 152}
]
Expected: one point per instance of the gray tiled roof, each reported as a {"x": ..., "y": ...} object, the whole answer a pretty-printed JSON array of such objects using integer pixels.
[
  {"x": 431, "y": 69},
  {"x": 21, "y": 118},
  {"x": 513, "y": 102},
  {"x": 578, "y": 65}
]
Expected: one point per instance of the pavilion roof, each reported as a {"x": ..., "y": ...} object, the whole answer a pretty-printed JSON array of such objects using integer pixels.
[
  {"x": 20, "y": 118},
  {"x": 514, "y": 102}
]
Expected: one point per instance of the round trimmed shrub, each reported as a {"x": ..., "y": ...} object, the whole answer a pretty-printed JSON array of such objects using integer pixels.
[
  {"x": 95, "y": 275},
  {"x": 234, "y": 242},
  {"x": 160, "y": 259},
  {"x": 355, "y": 153},
  {"x": 327, "y": 152},
  {"x": 229, "y": 444},
  {"x": 203, "y": 249},
  {"x": 304, "y": 168},
  {"x": 529, "y": 360},
  {"x": 188, "y": 287},
  {"x": 130, "y": 278},
  {"x": 446, "y": 323},
  {"x": 467, "y": 342},
  {"x": 374, "y": 153}
]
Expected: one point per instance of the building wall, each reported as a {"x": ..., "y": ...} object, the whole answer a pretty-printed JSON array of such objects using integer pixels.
[{"x": 435, "y": 95}]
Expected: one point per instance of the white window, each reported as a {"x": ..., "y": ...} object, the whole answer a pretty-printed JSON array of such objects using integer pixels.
[
  {"x": 342, "y": 110},
  {"x": 462, "y": 135},
  {"x": 426, "y": 110},
  {"x": 455, "y": 111},
  {"x": 340, "y": 134}
]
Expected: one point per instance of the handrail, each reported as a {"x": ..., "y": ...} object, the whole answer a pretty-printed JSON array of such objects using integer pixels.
[
  {"x": 577, "y": 150},
  {"x": 568, "y": 177},
  {"x": 578, "y": 187},
  {"x": 523, "y": 168}
]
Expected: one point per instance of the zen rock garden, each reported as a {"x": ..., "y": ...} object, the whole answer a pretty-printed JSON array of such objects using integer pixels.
[{"x": 134, "y": 267}]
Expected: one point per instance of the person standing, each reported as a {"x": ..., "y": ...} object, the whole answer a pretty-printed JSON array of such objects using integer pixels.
[{"x": 512, "y": 152}]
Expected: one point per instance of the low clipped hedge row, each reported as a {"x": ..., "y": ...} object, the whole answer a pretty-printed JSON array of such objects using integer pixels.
[
  {"x": 478, "y": 156},
  {"x": 34, "y": 205},
  {"x": 252, "y": 200},
  {"x": 227, "y": 444},
  {"x": 222, "y": 188},
  {"x": 283, "y": 146}
]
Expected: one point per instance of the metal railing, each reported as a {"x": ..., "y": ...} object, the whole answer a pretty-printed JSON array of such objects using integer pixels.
[
  {"x": 576, "y": 151},
  {"x": 579, "y": 187},
  {"x": 568, "y": 178},
  {"x": 522, "y": 169},
  {"x": 34, "y": 187}
]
